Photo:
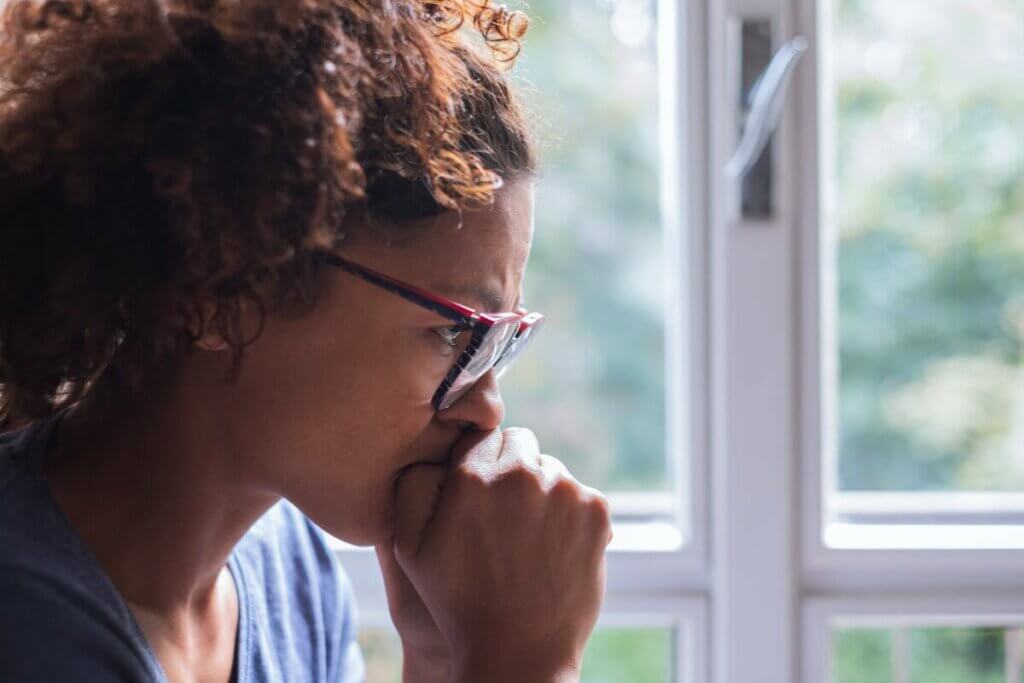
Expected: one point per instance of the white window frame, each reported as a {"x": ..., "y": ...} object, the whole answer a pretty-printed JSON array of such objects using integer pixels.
[{"x": 755, "y": 564}]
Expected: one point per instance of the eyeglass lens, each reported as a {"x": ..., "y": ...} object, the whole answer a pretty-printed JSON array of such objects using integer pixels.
[{"x": 493, "y": 351}]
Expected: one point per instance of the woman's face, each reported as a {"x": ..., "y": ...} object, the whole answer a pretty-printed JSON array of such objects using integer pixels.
[{"x": 334, "y": 406}]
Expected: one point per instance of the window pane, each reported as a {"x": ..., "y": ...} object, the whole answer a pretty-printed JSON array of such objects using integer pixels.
[
  {"x": 861, "y": 655},
  {"x": 928, "y": 147},
  {"x": 592, "y": 385},
  {"x": 926, "y": 655},
  {"x": 613, "y": 655}
]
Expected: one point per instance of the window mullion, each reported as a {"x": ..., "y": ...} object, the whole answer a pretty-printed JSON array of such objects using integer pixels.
[{"x": 754, "y": 412}]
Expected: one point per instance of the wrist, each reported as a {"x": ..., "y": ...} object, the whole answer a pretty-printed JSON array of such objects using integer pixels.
[
  {"x": 499, "y": 667},
  {"x": 424, "y": 666}
]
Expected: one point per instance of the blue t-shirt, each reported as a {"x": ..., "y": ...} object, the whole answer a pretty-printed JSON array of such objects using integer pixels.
[{"x": 62, "y": 620}]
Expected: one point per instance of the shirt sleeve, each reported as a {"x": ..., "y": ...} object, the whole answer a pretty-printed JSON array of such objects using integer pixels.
[{"x": 52, "y": 633}]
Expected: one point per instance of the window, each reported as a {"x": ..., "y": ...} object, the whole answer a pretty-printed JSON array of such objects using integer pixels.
[
  {"x": 923, "y": 136},
  {"x": 912, "y": 480},
  {"x": 801, "y": 390}
]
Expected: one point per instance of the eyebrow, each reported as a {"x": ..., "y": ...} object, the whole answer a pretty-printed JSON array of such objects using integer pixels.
[{"x": 490, "y": 298}]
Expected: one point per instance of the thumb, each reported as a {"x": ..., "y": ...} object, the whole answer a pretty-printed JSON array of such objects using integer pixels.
[
  {"x": 417, "y": 493},
  {"x": 477, "y": 447}
]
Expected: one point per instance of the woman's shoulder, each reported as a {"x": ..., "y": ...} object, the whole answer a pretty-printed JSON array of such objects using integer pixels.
[
  {"x": 32, "y": 529},
  {"x": 17, "y": 453},
  {"x": 284, "y": 531},
  {"x": 59, "y": 618},
  {"x": 295, "y": 587},
  {"x": 60, "y": 621},
  {"x": 52, "y": 631},
  {"x": 285, "y": 546}
]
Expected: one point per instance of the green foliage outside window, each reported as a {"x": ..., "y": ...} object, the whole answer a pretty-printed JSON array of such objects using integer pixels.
[
  {"x": 925, "y": 655},
  {"x": 593, "y": 386},
  {"x": 929, "y": 154}
]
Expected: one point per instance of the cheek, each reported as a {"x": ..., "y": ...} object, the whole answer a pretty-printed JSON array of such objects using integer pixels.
[
  {"x": 408, "y": 374},
  {"x": 358, "y": 413},
  {"x": 377, "y": 379},
  {"x": 346, "y": 482},
  {"x": 347, "y": 490}
]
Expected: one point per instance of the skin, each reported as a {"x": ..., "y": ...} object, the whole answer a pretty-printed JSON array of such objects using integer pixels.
[{"x": 331, "y": 411}]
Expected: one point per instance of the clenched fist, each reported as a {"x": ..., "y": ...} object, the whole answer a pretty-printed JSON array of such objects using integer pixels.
[{"x": 506, "y": 550}]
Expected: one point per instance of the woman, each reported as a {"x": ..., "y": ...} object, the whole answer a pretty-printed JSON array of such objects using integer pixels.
[{"x": 248, "y": 255}]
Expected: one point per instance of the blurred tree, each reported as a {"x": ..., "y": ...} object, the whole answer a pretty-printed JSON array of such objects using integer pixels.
[
  {"x": 933, "y": 655},
  {"x": 929, "y": 148},
  {"x": 592, "y": 386}
]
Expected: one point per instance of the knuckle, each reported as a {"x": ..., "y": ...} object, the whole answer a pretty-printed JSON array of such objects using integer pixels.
[
  {"x": 520, "y": 441},
  {"x": 467, "y": 475},
  {"x": 550, "y": 461},
  {"x": 567, "y": 490},
  {"x": 600, "y": 510},
  {"x": 520, "y": 479},
  {"x": 518, "y": 433}
]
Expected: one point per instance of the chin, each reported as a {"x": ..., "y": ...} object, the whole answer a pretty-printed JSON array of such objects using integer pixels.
[{"x": 365, "y": 531}]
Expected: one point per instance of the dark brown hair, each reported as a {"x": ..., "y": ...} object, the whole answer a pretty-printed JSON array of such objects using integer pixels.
[{"x": 165, "y": 163}]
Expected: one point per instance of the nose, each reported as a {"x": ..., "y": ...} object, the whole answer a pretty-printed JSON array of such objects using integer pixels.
[{"x": 481, "y": 406}]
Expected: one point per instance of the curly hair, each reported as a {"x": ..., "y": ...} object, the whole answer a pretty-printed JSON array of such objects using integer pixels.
[{"x": 165, "y": 164}]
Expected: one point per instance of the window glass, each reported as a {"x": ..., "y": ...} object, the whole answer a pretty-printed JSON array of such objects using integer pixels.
[
  {"x": 926, "y": 655},
  {"x": 592, "y": 385},
  {"x": 928, "y": 148}
]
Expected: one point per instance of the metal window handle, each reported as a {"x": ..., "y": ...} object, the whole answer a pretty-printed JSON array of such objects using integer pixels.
[{"x": 765, "y": 107}]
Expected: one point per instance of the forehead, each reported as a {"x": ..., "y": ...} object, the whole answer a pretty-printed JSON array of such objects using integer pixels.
[{"x": 488, "y": 251}]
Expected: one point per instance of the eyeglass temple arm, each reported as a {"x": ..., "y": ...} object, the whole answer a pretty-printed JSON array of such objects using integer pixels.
[{"x": 407, "y": 292}]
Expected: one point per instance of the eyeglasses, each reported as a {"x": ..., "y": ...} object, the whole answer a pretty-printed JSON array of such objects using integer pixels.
[{"x": 496, "y": 340}]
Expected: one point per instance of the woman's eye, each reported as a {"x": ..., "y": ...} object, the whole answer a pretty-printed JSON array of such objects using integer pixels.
[{"x": 450, "y": 334}]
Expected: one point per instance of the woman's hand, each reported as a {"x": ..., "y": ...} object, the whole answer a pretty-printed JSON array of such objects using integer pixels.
[
  {"x": 425, "y": 654},
  {"x": 509, "y": 562}
]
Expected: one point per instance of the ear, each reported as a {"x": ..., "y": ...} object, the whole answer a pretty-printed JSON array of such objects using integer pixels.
[{"x": 209, "y": 340}]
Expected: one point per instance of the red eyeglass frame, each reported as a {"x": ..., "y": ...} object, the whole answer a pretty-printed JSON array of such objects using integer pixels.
[{"x": 479, "y": 322}]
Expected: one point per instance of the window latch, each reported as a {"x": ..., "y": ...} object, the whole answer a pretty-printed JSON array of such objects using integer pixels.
[{"x": 764, "y": 81}]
